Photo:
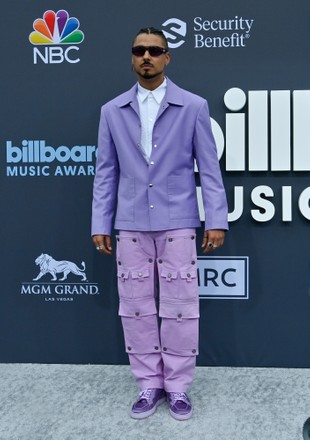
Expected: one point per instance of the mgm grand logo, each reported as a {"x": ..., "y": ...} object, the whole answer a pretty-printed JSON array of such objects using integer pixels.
[{"x": 59, "y": 280}]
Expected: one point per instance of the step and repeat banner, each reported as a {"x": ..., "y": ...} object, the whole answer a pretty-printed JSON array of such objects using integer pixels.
[{"x": 61, "y": 60}]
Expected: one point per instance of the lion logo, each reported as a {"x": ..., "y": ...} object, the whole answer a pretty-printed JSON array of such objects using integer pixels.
[{"x": 47, "y": 264}]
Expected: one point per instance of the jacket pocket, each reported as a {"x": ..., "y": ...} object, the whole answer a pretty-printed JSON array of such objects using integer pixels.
[
  {"x": 182, "y": 197},
  {"x": 126, "y": 198}
]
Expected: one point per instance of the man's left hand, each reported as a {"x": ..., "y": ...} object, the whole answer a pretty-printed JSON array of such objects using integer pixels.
[{"x": 212, "y": 239}]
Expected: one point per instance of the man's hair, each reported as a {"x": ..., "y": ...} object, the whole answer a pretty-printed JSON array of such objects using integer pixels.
[{"x": 153, "y": 31}]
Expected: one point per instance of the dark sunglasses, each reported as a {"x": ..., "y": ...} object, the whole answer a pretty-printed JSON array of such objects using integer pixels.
[{"x": 154, "y": 51}]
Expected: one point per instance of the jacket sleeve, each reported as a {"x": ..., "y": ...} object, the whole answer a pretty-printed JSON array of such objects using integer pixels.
[
  {"x": 106, "y": 180},
  {"x": 212, "y": 188}
]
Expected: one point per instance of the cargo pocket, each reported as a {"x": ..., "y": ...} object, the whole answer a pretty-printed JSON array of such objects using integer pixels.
[
  {"x": 176, "y": 285},
  {"x": 135, "y": 283},
  {"x": 180, "y": 328},
  {"x": 140, "y": 326},
  {"x": 124, "y": 288},
  {"x": 168, "y": 282},
  {"x": 188, "y": 288}
]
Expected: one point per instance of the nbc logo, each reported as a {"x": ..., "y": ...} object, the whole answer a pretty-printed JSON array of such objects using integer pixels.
[{"x": 54, "y": 30}]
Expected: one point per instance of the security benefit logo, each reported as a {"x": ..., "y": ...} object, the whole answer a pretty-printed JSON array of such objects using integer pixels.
[
  {"x": 57, "y": 34},
  {"x": 223, "y": 277},
  {"x": 206, "y": 32},
  {"x": 59, "y": 280},
  {"x": 174, "y": 30}
]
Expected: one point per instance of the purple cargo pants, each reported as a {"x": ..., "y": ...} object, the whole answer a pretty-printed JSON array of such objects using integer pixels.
[{"x": 161, "y": 354}]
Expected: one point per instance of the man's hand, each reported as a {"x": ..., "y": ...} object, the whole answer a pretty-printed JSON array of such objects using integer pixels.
[
  {"x": 212, "y": 239},
  {"x": 103, "y": 243}
]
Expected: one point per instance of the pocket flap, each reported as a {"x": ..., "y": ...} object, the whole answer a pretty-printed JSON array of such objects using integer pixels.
[
  {"x": 188, "y": 274},
  {"x": 123, "y": 274},
  {"x": 137, "y": 308},
  {"x": 176, "y": 310},
  {"x": 140, "y": 274},
  {"x": 169, "y": 274}
]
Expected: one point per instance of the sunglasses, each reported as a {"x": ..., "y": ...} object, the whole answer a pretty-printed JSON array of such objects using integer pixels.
[{"x": 154, "y": 51}]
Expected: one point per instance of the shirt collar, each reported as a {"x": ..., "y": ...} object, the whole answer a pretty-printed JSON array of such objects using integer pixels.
[{"x": 158, "y": 93}]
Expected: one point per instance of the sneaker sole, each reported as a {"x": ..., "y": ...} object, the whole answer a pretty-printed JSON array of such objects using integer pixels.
[
  {"x": 143, "y": 415},
  {"x": 181, "y": 416}
]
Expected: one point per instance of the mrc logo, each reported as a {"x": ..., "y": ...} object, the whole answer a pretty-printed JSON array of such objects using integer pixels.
[
  {"x": 223, "y": 277},
  {"x": 57, "y": 34}
]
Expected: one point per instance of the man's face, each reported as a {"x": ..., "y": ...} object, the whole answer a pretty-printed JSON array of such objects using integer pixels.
[{"x": 146, "y": 66}]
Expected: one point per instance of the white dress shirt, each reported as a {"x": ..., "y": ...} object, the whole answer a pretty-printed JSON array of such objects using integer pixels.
[{"x": 149, "y": 103}]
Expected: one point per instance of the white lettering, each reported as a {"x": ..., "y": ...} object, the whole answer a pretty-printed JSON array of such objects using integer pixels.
[
  {"x": 54, "y": 55},
  {"x": 303, "y": 203}
]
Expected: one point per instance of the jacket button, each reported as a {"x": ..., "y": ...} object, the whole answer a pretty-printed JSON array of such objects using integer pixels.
[
  {"x": 165, "y": 348},
  {"x": 151, "y": 206},
  {"x": 150, "y": 185},
  {"x": 155, "y": 146},
  {"x": 160, "y": 261},
  {"x": 150, "y": 260},
  {"x": 152, "y": 162}
]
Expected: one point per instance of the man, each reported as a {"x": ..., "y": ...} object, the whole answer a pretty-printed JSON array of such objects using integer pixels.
[{"x": 149, "y": 137}]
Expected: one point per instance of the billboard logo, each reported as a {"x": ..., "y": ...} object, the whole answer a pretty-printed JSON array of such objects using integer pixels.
[
  {"x": 175, "y": 31},
  {"x": 58, "y": 288},
  {"x": 36, "y": 158},
  {"x": 223, "y": 277},
  {"x": 265, "y": 132},
  {"x": 54, "y": 30}
]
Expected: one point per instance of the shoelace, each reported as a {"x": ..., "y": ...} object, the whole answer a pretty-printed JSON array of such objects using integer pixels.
[
  {"x": 146, "y": 394},
  {"x": 178, "y": 396}
]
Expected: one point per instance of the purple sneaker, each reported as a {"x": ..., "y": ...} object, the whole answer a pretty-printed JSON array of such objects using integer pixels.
[
  {"x": 147, "y": 403},
  {"x": 180, "y": 406}
]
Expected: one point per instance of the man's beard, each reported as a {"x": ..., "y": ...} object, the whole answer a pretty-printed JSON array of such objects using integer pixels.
[{"x": 148, "y": 75}]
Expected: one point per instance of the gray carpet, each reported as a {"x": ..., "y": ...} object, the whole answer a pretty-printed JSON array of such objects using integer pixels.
[{"x": 86, "y": 402}]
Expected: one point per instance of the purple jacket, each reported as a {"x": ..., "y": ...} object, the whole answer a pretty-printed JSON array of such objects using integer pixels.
[{"x": 159, "y": 194}]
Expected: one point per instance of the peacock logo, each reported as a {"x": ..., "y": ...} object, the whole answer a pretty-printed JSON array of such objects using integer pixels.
[
  {"x": 55, "y": 38},
  {"x": 56, "y": 28}
]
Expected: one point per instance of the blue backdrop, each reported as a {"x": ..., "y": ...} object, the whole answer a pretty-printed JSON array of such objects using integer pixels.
[{"x": 61, "y": 61}]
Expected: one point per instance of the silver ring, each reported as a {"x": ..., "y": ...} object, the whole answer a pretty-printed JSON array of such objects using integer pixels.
[
  {"x": 99, "y": 247},
  {"x": 210, "y": 244}
]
